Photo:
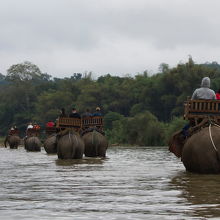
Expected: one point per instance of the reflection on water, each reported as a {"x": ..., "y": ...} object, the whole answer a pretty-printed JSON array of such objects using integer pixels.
[
  {"x": 201, "y": 191},
  {"x": 132, "y": 183},
  {"x": 85, "y": 160}
]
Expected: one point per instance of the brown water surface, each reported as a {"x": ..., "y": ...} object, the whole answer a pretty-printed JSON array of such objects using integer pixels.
[{"x": 132, "y": 183}]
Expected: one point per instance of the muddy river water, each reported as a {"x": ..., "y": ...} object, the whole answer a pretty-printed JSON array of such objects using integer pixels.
[{"x": 132, "y": 183}]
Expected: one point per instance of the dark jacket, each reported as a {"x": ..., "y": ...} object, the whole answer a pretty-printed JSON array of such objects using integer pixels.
[
  {"x": 97, "y": 113},
  {"x": 74, "y": 115},
  {"x": 62, "y": 115}
]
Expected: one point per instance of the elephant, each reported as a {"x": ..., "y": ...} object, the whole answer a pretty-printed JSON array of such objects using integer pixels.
[
  {"x": 96, "y": 144},
  {"x": 200, "y": 152},
  {"x": 50, "y": 144},
  {"x": 13, "y": 141},
  {"x": 32, "y": 143},
  {"x": 70, "y": 145}
]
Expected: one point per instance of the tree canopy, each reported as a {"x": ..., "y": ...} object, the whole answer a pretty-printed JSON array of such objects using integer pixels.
[{"x": 137, "y": 109}]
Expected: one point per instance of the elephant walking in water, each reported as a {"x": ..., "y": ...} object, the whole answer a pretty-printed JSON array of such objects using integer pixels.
[
  {"x": 13, "y": 141},
  {"x": 70, "y": 145},
  {"x": 96, "y": 144},
  {"x": 32, "y": 143},
  {"x": 200, "y": 153},
  {"x": 50, "y": 144}
]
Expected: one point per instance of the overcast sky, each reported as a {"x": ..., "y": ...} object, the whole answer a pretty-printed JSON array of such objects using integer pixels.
[{"x": 107, "y": 36}]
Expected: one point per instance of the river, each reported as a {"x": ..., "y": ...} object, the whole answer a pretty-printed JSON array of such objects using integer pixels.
[{"x": 132, "y": 183}]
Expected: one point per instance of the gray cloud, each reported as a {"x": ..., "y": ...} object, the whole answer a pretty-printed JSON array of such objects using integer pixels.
[{"x": 117, "y": 36}]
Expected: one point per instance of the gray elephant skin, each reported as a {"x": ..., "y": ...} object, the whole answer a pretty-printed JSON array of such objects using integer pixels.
[
  {"x": 198, "y": 153},
  {"x": 13, "y": 141},
  {"x": 96, "y": 144},
  {"x": 50, "y": 144},
  {"x": 70, "y": 146},
  {"x": 32, "y": 143}
]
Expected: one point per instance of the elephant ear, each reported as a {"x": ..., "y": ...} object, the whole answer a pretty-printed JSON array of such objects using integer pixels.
[{"x": 176, "y": 143}]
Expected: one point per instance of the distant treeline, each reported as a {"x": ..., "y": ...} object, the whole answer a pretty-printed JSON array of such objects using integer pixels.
[{"x": 142, "y": 110}]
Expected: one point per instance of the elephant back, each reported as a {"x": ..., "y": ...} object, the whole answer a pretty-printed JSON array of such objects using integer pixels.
[
  {"x": 14, "y": 141},
  {"x": 50, "y": 144},
  {"x": 70, "y": 146},
  {"x": 201, "y": 151},
  {"x": 33, "y": 143},
  {"x": 96, "y": 144}
]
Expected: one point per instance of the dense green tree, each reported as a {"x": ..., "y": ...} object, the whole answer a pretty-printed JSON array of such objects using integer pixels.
[
  {"x": 142, "y": 110},
  {"x": 48, "y": 105},
  {"x": 109, "y": 118},
  {"x": 23, "y": 72}
]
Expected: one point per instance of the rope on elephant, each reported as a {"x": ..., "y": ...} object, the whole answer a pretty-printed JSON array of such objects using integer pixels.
[
  {"x": 93, "y": 137},
  {"x": 66, "y": 131},
  {"x": 210, "y": 134},
  {"x": 91, "y": 130},
  {"x": 69, "y": 137},
  {"x": 76, "y": 140}
]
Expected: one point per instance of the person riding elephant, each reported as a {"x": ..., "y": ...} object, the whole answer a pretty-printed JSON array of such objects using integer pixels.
[
  {"x": 69, "y": 145},
  {"x": 31, "y": 140},
  {"x": 74, "y": 114},
  {"x": 200, "y": 151},
  {"x": 96, "y": 143},
  {"x": 32, "y": 143},
  {"x": 97, "y": 112},
  {"x": 62, "y": 113},
  {"x": 204, "y": 92},
  {"x": 12, "y": 138},
  {"x": 198, "y": 143}
]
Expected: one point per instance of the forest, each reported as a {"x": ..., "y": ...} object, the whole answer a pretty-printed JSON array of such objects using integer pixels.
[{"x": 140, "y": 110}]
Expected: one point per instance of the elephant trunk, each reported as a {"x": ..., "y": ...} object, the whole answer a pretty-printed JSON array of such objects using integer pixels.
[{"x": 176, "y": 143}]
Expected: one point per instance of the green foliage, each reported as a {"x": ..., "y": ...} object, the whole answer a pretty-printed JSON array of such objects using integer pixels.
[
  {"x": 144, "y": 129},
  {"x": 23, "y": 71},
  {"x": 143, "y": 110},
  {"x": 109, "y": 118},
  {"x": 176, "y": 124},
  {"x": 118, "y": 133},
  {"x": 49, "y": 103}
]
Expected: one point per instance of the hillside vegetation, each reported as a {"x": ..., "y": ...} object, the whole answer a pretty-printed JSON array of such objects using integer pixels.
[{"x": 141, "y": 110}]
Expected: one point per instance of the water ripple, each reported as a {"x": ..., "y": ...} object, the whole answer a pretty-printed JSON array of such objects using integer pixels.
[{"x": 132, "y": 183}]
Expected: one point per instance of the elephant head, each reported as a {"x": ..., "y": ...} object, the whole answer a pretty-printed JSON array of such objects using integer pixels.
[{"x": 176, "y": 143}]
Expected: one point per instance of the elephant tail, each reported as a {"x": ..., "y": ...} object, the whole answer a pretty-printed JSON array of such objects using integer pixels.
[
  {"x": 74, "y": 141},
  {"x": 95, "y": 142},
  {"x": 5, "y": 142}
]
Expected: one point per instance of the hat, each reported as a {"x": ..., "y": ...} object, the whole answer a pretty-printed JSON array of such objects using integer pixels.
[{"x": 97, "y": 109}]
